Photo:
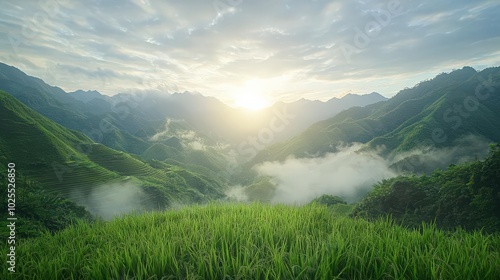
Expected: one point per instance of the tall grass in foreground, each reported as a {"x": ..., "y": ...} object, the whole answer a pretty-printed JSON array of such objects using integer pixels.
[{"x": 256, "y": 242}]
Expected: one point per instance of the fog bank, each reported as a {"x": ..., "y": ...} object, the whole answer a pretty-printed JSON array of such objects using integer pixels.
[
  {"x": 110, "y": 200},
  {"x": 346, "y": 173}
]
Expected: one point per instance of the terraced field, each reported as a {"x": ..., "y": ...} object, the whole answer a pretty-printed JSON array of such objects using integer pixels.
[
  {"x": 53, "y": 156},
  {"x": 69, "y": 176},
  {"x": 119, "y": 162}
]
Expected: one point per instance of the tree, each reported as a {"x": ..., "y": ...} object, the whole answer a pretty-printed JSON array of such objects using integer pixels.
[{"x": 329, "y": 200}]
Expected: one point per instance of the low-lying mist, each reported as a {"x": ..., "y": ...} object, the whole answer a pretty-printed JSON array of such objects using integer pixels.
[
  {"x": 426, "y": 160},
  {"x": 347, "y": 173},
  {"x": 237, "y": 193},
  {"x": 110, "y": 200},
  {"x": 352, "y": 171}
]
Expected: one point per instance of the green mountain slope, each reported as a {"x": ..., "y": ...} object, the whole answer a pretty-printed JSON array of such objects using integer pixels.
[
  {"x": 71, "y": 164},
  {"x": 61, "y": 107},
  {"x": 437, "y": 112},
  {"x": 128, "y": 122},
  {"x": 41, "y": 148},
  {"x": 125, "y": 122}
]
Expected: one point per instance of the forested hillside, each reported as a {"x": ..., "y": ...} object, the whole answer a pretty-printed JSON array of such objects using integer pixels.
[{"x": 465, "y": 196}]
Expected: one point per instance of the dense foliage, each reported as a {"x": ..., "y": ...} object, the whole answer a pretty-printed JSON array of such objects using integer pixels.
[
  {"x": 38, "y": 211},
  {"x": 329, "y": 200},
  {"x": 466, "y": 195}
]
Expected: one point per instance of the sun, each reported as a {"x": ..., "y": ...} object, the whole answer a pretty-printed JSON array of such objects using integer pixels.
[
  {"x": 251, "y": 102},
  {"x": 251, "y": 96}
]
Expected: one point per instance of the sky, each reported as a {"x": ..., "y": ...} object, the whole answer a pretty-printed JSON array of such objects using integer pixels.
[{"x": 244, "y": 51}]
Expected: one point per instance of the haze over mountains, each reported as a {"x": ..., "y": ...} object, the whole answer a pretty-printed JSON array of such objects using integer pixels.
[
  {"x": 185, "y": 147},
  {"x": 436, "y": 113},
  {"x": 238, "y": 139},
  {"x": 136, "y": 116},
  {"x": 174, "y": 132}
]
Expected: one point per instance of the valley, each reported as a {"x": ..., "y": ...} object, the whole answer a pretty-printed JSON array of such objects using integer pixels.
[
  {"x": 147, "y": 139},
  {"x": 107, "y": 164},
  {"x": 136, "y": 163}
]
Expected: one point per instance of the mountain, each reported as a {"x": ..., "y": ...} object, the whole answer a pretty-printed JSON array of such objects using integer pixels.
[
  {"x": 135, "y": 117},
  {"x": 89, "y": 118},
  {"x": 50, "y": 101},
  {"x": 132, "y": 122},
  {"x": 89, "y": 95},
  {"x": 439, "y": 113},
  {"x": 104, "y": 180},
  {"x": 307, "y": 112},
  {"x": 100, "y": 104},
  {"x": 221, "y": 122}
]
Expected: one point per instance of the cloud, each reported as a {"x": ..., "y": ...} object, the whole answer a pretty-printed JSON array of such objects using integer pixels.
[
  {"x": 111, "y": 200},
  {"x": 95, "y": 74},
  {"x": 188, "y": 138},
  {"x": 191, "y": 45},
  {"x": 165, "y": 134},
  {"x": 428, "y": 159},
  {"x": 236, "y": 193},
  {"x": 197, "y": 145},
  {"x": 350, "y": 173},
  {"x": 347, "y": 173}
]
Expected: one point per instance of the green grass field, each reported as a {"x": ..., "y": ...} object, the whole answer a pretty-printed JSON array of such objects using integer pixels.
[{"x": 255, "y": 241}]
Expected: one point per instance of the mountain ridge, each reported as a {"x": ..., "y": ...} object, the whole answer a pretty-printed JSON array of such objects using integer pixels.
[
  {"x": 432, "y": 111},
  {"x": 132, "y": 118}
]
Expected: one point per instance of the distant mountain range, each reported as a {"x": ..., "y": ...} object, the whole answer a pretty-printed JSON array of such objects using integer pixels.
[
  {"x": 186, "y": 147},
  {"x": 436, "y": 113},
  {"x": 169, "y": 147},
  {"x": 132, "y": 119},
  {"x": 307, "y": 112},
  {"x": 212, "y": 117}
]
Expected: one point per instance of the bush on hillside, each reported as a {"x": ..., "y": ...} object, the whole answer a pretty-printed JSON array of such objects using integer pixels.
[{"x": 329, "y": 200}]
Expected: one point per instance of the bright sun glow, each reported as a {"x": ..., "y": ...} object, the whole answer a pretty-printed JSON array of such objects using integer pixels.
[{"x": 251, "y": 96}]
